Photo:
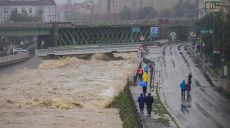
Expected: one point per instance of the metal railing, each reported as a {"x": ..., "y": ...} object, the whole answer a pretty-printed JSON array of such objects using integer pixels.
[
  {"x": 14, "y": 58},
  {"x": 87, "y": 50},
  {"x": 94, "y": 23}
]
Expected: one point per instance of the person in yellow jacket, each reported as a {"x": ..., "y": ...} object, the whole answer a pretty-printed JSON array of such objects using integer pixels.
[{"x": 145, "y": 79}]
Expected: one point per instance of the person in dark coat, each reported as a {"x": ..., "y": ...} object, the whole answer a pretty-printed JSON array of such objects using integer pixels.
[
  {"x": 149, "y": 101},
  {"x": 141, "y": 101},
  {"x": 189, "y": 78}
]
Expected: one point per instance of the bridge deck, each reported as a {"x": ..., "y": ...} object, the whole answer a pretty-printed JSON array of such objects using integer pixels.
[{"x": 88, "y": 50}]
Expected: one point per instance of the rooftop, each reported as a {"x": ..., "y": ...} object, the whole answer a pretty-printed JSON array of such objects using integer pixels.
[{"x": 27, "y": 2}]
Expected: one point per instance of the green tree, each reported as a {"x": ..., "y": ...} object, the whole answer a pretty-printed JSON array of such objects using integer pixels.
[
  {"x": 126, "y": 14},
  {"x": 214, "y": 22},
  {"x": 147, "y": 13},
  {"x": 183, "y": 9},
  {"x": 226, "y": 42},
  {"x": 24, "y": 17}
]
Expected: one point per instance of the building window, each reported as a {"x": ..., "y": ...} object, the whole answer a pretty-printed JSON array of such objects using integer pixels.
[
  {"x": 30, "y": 10},
  {"x": 6, "y": 10},
  {"x": 23, "y": 10},
  {"x": 15, "y": 10}
]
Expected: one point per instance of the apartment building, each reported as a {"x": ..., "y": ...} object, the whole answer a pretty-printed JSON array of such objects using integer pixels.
[{"x": 46, "y": 8}]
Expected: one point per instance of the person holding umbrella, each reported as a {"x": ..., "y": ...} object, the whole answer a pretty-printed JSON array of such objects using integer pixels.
[{"x": 144, "y": 86}]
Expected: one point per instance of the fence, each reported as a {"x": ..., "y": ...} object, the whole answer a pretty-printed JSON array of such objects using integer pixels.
[{"x": 10, "y": 59}]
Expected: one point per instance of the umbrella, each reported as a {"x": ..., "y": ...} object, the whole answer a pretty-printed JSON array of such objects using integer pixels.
[{"x": 142, "y": 84}]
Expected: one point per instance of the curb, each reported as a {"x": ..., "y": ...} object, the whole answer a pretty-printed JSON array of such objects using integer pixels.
[{"x": 171, "y": 113}]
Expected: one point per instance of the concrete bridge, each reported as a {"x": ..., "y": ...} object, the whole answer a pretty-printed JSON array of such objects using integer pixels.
[{"x": 95, "y": 32}]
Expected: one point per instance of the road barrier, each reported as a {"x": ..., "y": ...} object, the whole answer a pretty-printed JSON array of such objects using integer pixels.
[{"x": 14, "y": 58}]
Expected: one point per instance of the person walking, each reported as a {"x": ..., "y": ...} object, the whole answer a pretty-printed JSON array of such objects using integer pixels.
[
  {"x": 145, "y": 79},
  {"x": 141, "y": 101},
  {"x": 188, "y": 88},
  {"x": 140, "y": 73},
  {"x": 183, "y": 88},
  {"x": 149, "y": 101},
  {"x": 189, "y": 78},
  {"x": 146, "y": 68}
]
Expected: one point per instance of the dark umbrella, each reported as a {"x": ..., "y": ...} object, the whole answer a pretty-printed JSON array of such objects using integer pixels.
[{"x": 142, "y": 84}]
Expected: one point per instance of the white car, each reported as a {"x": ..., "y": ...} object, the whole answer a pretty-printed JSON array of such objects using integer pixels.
[{"x": 17, "y": 50}]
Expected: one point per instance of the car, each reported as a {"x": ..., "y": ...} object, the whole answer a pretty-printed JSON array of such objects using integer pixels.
[{"x": 17, "y": 50}]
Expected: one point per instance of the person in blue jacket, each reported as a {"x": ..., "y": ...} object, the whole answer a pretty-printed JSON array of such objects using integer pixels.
[
  {"x": 183, "y": 89},
  {"x": 141, "y": 101},
  {"x": 146, "y": 68}
]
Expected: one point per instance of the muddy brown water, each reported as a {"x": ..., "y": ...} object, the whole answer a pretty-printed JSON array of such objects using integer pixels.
[{"x": 65, "y": 92}]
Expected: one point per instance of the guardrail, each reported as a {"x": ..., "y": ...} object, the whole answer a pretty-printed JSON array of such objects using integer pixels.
[
  {"x": 93, "y": 23},
  {"x": 87, "y": 50},
  {"x": 14, "y": 58}
]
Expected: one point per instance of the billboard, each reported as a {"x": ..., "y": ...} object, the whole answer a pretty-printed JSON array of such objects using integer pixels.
[{"x": 213, "y": 6}]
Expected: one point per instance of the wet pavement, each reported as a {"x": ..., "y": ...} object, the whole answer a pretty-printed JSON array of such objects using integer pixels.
[{"x": 206, "y": 108}]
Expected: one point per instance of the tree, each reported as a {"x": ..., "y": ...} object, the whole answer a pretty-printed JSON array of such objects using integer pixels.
[
  {"x": 24, "y": 17},
  {"x": 183, "y": 9},
  {"x": 126, "y": 14},
  {"x": 147, "y": 13},
  {"x": 226, "y": 41},
  {"x": 213, "y": 41}
]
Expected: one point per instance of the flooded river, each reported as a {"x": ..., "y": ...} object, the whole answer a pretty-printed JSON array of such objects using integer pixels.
[{"x": 66, "y": 92}]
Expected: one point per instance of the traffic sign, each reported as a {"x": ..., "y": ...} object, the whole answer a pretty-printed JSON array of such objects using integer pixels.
[
  {"x": 142, "y": 38},
  {"x": 154, "y": 30},
  {"x": 206, "y": 31},
  {"x": 135, "y": 29},
  {"x": 141, "y": 48}
]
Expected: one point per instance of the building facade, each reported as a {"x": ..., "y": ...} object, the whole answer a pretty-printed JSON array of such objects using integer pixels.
[
  {"x": 45, "y": 8},
  {"x": 206, "y": 6}
]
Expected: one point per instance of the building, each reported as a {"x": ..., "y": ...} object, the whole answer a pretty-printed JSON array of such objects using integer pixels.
[
  {"x": 46, "y": 8},
  {"x": 103, "y": 7},
  {"x": 226, "y": 6},
  {"x": 78, "y": 11},
  {"x": 207, "y": 6}
]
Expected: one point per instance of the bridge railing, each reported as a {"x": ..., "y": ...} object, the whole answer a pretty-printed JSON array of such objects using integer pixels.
[
  {"x": 13, "y": 58},
  {"x": 25, "y": 25},
  {"x": 93, "y": 23}
]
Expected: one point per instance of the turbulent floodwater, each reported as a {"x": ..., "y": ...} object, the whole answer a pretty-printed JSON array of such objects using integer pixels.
[{"x": 65, "y": 92}]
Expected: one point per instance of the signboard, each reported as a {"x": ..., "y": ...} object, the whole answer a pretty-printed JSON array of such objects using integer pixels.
[
  {"x": 212, "y": 6},
  {"x": 206, "y": 31},
  {"x": 154, "y": 31},
  {"x": 142, "y": 38},
  {"x": 135, "y": 29},
  {"x": 141, "y": 48}
]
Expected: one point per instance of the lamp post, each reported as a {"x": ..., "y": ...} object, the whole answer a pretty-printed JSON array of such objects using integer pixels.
[{"x": 213, "y": 38}]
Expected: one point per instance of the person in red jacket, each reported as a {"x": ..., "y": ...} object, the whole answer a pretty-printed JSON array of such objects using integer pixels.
[{"x": 140, "y": 72}]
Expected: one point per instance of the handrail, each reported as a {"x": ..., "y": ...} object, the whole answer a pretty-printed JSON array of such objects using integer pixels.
[{"x": 91, "y": 23}]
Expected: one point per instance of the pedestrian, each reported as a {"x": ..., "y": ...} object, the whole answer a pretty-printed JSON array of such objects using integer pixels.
[
  {"x": 183, "y": 88},
  {"x": 190, "y": 78},
  {"x": 141, "y": 101},
  {"x": 140, "y": 73},
  {"x": 149, "y": 101},
  {"x": 145, "y": 79},
  {"x": 188, "y": 88},
  {"x": 146, "y": 68}
]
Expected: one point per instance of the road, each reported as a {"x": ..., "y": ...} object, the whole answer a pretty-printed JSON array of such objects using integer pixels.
[{"x": 208, "y": 108}]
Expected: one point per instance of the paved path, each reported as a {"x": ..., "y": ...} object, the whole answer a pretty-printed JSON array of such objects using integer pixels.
[
  {"x": 208, "y": 108},
  {"x": 148, "y": 122}
]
